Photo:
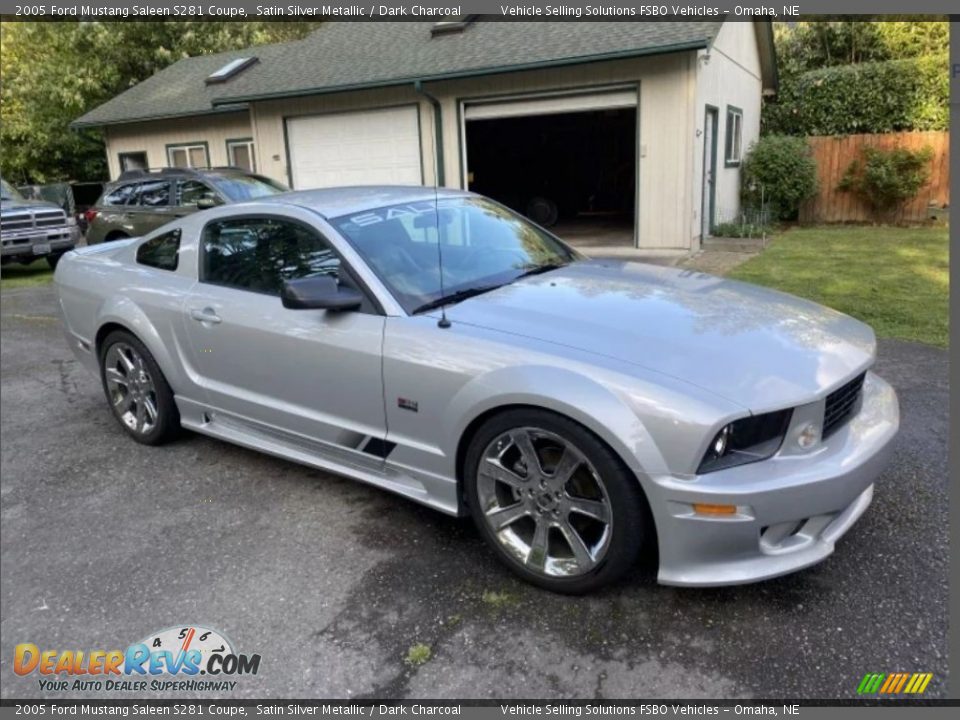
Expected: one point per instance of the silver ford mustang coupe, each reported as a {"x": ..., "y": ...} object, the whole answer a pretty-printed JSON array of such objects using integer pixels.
[{"x": 434, "y": 344}]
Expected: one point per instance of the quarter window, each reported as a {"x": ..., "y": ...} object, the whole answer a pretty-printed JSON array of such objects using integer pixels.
[
  {"x": 734, "y": 142},
  {"x": 161, "y": 252},
  {"x": 120, "y": 195},
  {"x": 193, "y": 155},
  {"x": 259, "y": 254}
]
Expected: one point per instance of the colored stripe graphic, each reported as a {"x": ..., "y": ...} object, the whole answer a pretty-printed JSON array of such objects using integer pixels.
[
  {"x": 870, "y": 683},
  {"x": 894, "y": 683}
]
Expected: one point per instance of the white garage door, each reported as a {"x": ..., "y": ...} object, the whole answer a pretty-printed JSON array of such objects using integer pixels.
[{"x": 377, "y": 147}]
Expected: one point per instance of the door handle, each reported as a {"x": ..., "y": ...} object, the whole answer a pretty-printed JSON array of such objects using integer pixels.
[{"x": 207, "y": 315}]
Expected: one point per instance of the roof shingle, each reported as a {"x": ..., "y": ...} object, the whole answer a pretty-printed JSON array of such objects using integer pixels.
[{"x": 349, "y": 55}]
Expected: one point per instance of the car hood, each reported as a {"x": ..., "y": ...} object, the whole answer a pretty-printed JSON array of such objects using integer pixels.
[
  {"x": 759, "y": 348},
  {"x": 13, "y": 204}
]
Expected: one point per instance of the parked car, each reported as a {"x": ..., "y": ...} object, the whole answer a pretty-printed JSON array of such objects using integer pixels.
[
  {"x": 31, "y": 229},
  {"x": 574, "y": 408},
  {"x": 143, "y": 200},
  {"x": 75, "y": 198}
]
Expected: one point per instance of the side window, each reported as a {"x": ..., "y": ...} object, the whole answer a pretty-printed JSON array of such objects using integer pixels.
[
  {"x": 734, "y": 139},
  {"x": 161, "y": 252},
  {"x": 259, "y": 254},
  {"x": 120, "y": 195},
  {"x": 155, "y": 193},
  {"x": 190, "y": 192}
]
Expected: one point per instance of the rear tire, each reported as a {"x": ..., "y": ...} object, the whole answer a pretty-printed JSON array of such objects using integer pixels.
[
  {"x": 576, "y": 523},
  {"x": 138, "y": 394},
  {"x": 115, "y": 236}
]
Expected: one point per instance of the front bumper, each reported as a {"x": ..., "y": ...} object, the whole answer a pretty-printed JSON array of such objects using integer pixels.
[
  {"x": 47, "y": 241},
  {"x": 791, "y": 509}
]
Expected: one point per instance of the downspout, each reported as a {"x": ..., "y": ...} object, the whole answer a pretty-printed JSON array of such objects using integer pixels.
[{"x": 438, "y": 130}]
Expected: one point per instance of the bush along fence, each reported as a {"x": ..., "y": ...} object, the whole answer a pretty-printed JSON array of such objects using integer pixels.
[{"x": 834, "y": 154}]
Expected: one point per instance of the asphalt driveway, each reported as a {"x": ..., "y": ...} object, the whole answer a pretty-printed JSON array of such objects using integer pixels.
[{"x": 105, "y": 541}]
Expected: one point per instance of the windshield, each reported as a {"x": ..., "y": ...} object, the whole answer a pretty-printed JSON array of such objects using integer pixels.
[
  {"x": 7, "y": 192},
  {"x": 238, "y": 188},
  {"x": 483, "y": 244}
]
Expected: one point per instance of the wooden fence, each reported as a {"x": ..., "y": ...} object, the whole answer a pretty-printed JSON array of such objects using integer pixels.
[{"x": 834, "y": 153}]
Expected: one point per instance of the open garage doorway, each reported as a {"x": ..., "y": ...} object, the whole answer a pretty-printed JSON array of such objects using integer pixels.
[{"x": 567, "y": 162}]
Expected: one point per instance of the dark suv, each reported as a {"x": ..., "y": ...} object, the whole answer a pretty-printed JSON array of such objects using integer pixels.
[{"x": 141, "y": 201}]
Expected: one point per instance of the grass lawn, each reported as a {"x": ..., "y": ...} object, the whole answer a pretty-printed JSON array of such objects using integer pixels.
[
  {"x": 895, "y": 279},
  {"x": 15, "y": 275}
]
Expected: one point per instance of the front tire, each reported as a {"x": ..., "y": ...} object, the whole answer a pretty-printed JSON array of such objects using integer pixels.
[
  {"x": 138, "y": 393},
  {"x": 557, "y": 505}
]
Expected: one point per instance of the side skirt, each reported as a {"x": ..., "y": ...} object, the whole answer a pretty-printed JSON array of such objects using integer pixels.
[{"x": 367, "y": 465}]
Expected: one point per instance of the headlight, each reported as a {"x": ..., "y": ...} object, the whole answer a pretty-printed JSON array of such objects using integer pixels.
[{"x": 747, "y": 440}]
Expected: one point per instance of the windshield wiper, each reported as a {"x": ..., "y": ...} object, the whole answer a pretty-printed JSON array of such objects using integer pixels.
[
  {"x": 538, "y": 269},
  {"x": 456, "y": 297}
]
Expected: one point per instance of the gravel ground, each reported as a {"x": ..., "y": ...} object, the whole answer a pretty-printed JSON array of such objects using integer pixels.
[{"x": 332, "y": 582}]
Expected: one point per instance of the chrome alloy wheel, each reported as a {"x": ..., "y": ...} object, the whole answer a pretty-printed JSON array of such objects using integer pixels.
[
  {"x": 130, "y": 388},
  {"x": 544, "y": 502}
]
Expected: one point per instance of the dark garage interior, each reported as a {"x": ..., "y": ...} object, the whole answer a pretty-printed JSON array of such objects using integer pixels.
[{"x": 572, "y": 172}]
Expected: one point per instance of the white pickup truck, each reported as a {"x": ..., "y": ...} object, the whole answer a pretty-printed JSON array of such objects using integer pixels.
[{"x": 30, "y": 229}]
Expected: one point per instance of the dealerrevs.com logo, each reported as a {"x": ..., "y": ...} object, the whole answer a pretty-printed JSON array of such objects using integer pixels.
[{"x": 189, "y": 658}]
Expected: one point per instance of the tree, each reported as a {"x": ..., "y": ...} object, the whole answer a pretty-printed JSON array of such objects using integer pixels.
[
  {"x": 842, "y": 76},
  {"x": 52, "y": 73}
]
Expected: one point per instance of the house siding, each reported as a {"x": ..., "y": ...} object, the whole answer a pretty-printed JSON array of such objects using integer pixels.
[
  {"x": 153, "y": 137},
  {"x": 732, "y": 77},
  {"x": 666, "y": 85}
]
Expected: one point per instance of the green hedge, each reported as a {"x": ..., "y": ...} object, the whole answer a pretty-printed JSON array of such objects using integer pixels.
[{"x": 878, "y": 97}]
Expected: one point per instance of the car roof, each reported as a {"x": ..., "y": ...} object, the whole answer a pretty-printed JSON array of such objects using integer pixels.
[
  {"x": 337, "y": 201},
  {"x": 132, "y": 176}
]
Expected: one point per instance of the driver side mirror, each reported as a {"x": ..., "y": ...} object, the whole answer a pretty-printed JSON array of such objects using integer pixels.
[{"x": 319, "y": 293}]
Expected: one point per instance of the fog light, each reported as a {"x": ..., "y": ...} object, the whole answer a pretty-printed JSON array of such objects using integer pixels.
[
  {"x": 710, "y": 509},
  {"x": 808, "y": 436}
]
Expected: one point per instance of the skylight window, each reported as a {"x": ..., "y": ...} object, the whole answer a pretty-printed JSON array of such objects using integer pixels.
[{"x": 232, "y": 68}]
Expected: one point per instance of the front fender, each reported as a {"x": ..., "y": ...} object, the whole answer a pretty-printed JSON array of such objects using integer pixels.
[{"x": 563, "y": 391}]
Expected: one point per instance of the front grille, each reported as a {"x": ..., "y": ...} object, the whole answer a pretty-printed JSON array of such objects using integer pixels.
[
  {"x": 16, "y": 222},
  {"x": 49, "y": 218},
  {"x": 841, "y": 404},
  {"x": 36, "y": 219}
]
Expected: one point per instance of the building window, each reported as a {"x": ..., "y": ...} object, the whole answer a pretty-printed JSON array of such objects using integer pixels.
[
  {"x": 240, "y": 153},
  {"x": 734, "y": 144},
  {"x": 188, "y": 155},
  {"x": 132, "y": 161}
]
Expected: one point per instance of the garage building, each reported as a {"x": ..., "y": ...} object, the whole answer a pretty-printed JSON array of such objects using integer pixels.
[{"x": 612, "y": 133}]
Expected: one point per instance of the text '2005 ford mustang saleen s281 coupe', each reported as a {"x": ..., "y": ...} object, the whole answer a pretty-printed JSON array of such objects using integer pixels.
[{"x": 574, "y": 408}]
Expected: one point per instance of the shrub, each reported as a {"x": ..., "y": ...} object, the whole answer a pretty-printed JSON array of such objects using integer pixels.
[
  {"x": 869, "y": 97},
  {"x": 741, "y": 230},
  {"x": 886, "y": 179},
  {"x": 780, "y": 173}
]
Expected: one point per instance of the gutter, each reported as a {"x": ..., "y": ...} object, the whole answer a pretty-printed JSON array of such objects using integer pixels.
[
  {"x": 80, "y": 123},
  {"x": 440, "y": 176}
]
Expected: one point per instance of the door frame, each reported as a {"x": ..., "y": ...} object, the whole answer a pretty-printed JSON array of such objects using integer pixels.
[{"x": 708, "y": 205}]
